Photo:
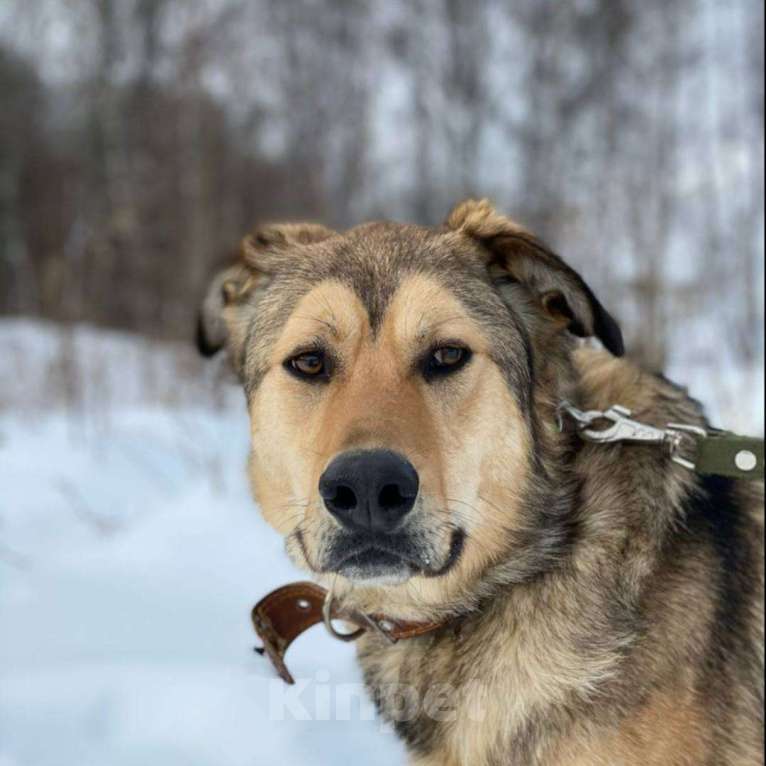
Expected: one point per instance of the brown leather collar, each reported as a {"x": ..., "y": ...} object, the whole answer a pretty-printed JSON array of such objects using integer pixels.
[{"x": 291, "y": 610}]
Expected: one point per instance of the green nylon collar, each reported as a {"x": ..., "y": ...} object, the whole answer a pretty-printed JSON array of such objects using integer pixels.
[{"x": 727, "y": 454}]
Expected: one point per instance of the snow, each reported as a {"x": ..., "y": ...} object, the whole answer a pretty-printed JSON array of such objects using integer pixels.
[{"x": 131, "y": 554}]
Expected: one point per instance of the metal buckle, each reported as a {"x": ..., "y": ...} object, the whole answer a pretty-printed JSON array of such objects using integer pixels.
[
  {"x": 676, "y": 434},
  {"x": 623, "y": 428},
  {"x": 356, "y": 634}
]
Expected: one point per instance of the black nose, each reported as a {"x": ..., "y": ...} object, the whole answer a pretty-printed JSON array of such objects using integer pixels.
[{"x": 369, "y": 489}]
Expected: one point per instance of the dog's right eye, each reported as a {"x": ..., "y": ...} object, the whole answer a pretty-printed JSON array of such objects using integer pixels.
[
  {"x": 310, "y": 365},
  {"x": 444, "y": 360}
]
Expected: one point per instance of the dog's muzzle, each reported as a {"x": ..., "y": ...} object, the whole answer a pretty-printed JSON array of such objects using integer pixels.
[{"x": 371, "y": 493}]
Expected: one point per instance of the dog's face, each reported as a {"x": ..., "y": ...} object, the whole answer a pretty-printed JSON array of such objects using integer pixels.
[{"x": 390, "y": 373}]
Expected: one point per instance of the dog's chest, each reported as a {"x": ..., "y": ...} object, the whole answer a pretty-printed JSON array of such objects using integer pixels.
[
  {"x": 447, "y": 696},
  {"x": 470, "y": 695}
]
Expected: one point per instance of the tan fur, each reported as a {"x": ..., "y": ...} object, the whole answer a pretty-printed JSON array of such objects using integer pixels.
[
  {"x": 294, "y": 438},
  {"x": 668, "y": 731},
  {"x": 517, "y": 652},
  {"x": 607, "y": 605}
]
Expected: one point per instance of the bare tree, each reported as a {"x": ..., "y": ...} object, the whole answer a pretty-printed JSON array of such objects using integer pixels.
[{"x": 628, "y": 134}]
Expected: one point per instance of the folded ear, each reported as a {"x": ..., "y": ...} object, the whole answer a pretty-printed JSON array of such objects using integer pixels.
[
  {"x": 512, "y": 253},
  {"x": 267, "y": 247},
  {"x": 234, "y": 290},
  {"x": 222, "y": 306}
]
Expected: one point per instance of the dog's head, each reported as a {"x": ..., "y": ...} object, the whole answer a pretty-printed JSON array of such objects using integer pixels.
[{"x": 394, "y": 375}]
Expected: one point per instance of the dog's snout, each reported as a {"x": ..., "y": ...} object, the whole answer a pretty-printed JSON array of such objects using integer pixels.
[{"x": 370, "y": 489}]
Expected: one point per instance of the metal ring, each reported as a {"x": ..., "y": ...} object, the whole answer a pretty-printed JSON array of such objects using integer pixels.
[{"x": 327, "y": 616}]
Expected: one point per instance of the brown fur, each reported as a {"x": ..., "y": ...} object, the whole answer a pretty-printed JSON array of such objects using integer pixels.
[{"x": 606, "y": 604}]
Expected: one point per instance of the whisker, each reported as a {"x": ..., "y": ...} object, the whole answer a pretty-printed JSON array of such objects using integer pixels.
[
  {"x": 491, "y": 505},
  {"x": 329, "y": 325},
  {"x": 436, "y": 325}
]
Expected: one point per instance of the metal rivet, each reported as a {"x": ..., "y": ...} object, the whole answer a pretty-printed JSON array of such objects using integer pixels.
[
  {"x": 303, "y": 604},
  {"x": 386, "y": 625},
  {"x": 746, "y": 460}
]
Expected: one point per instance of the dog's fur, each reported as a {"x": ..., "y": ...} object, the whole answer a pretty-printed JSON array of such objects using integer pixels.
[{"x": 602, "y": 604}]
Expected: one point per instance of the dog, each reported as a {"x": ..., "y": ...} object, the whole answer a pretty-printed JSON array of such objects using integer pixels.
[{"x": 597, "y": 604}]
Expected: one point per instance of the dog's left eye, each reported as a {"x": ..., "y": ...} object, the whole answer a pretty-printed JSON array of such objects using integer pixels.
[
  {"x": 445, "y": 360},
  {"x": 308, "y": 365},
  {"x": 448, "y": 356}
]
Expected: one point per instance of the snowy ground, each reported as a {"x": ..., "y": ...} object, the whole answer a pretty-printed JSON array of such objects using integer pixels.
[
  {"x": 130, "y": 556},
  {"x": 131, "y": 553}
]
